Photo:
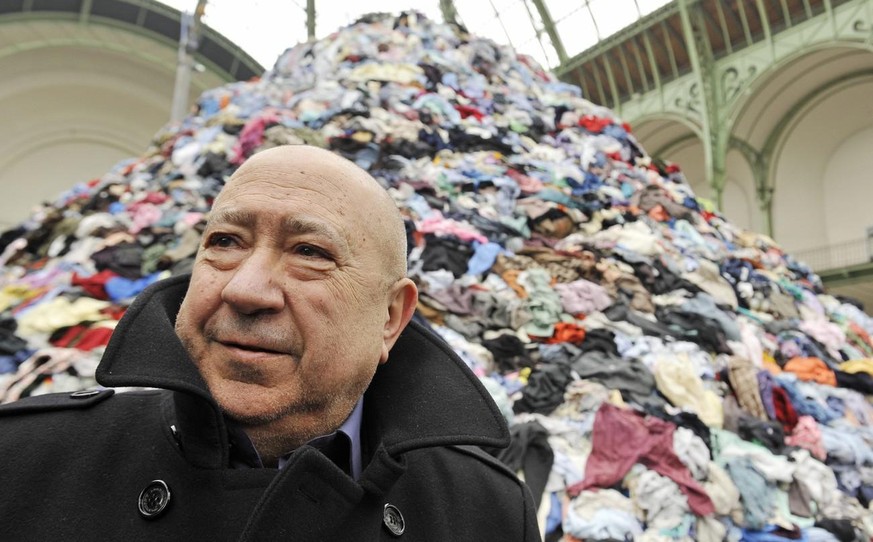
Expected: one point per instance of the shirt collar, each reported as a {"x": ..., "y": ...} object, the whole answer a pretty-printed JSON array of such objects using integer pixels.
[{"x": 244, "y": 454}]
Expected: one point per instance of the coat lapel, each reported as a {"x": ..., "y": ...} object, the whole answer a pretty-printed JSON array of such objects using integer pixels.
[{"x": 423, "y": 396}]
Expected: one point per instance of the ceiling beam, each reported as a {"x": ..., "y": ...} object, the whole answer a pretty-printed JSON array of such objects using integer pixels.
[{"x": 551, "y": 30}]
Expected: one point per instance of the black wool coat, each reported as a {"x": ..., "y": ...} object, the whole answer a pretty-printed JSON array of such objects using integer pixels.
[{"x": 153, "y": 464}]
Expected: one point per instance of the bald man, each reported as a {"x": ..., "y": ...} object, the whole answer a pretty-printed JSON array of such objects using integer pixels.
[{"x": 290, "y": 396}]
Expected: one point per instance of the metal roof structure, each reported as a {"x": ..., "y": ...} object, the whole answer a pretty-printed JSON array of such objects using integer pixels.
[{"x": 150, "y": 18}]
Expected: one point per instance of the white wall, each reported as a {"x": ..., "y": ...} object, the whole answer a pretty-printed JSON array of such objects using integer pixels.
[
  {"x": 70, "y": 109},
  {"x": 818, "y": 200},
  {"x": 848, "y": 176},
  {"x": 739, "y": 199}
]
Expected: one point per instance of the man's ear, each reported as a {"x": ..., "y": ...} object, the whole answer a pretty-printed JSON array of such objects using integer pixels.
[{"x": 402, "y": 300}]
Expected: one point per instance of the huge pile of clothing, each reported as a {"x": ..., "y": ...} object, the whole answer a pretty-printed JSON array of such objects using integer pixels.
[{"x": 666, "y": 374}]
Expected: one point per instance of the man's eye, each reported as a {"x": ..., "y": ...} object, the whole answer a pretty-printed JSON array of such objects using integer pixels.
[
  {"x": 220, "y": 240},
  {"x": 309, "y": 251}
]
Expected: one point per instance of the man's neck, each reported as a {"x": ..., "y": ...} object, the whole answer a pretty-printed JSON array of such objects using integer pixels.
[{"x": 270, "y": 451}]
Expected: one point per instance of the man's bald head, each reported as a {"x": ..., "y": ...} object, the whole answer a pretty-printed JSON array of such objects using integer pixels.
[
  {"x": 320, "y": 169},
  {"x": 297, "y": 294}
]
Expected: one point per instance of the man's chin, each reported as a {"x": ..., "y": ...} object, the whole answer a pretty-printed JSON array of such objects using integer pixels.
[{"x": 248, "y": 413}]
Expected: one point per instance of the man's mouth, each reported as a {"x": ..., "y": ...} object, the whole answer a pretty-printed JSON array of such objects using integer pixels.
[{"x": 249, "y": 347}]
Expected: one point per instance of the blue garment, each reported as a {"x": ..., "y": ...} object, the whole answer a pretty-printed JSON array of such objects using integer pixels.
[
  {"x": 770, "y": 534},
  {"x": 208, "y": 106},
  {"x": 117, "y": 207},
  {"x": 118, "y": 288},
  {"x": 591, "y": 183},
  {"x": 10, "y": 363},
  {"x": 804, "y": 405},
  {"x": 691, "y": 203},
  {"x": 483, "y": 258},
  {"x": 616, "y": 131},
  {"x": 754, "y": 493},
  {"x": 553, "y": 520}
]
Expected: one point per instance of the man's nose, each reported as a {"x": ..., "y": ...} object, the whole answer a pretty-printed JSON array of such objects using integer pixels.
[{"x": 255, "y": 285}]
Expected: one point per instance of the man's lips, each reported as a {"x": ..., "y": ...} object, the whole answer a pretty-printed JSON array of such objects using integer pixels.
[{"x": 248, "y": 347}]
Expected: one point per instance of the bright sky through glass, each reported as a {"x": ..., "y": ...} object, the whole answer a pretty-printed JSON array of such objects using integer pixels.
[{"x": 265, "y": 28}]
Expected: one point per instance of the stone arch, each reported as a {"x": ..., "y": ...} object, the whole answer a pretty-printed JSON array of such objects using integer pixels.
[
  {"x": 786, "y": 124},
  {"x": 86, "y": 84},
  {"x": 807, "y": 210},
  {"x": 53, "y": 95}
]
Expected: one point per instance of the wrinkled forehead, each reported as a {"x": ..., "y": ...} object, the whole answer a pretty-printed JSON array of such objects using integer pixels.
[
  {"x": 302, "y": 171},
  {"x": 304, "y": 183}
]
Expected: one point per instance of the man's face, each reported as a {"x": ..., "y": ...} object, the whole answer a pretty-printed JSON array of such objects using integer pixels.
[{"x": 286, "y": 310}]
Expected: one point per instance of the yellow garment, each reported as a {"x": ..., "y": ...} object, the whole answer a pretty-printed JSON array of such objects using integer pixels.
[
  {"x": 13, "y": 294},
  {"x": 857, "y": 366},
  {"x": 60, "y": 312},
  {"x": 398, "y": 73},
  {"x": 722, "y": 491},
  {"x": 707, "y": 204},
  {"x": 677, "y": 379},
  {"x": 771, "y": 365}
]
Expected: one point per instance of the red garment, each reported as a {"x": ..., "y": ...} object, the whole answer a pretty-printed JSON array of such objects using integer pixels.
[
  {"x": 622, "y": 438},
  {"x": 94, "y": 285},
  {"x": 593, "y": 124},
  {"x": 658, "y": 213},
  {"x": 94, "y": 338},
  {"x": 468, "y": 111},
  {"x": 707, "y": 215},
  {"x": 84, "y": 338},
  {"x": 69, "y": 337},
  {"x": 565, "y": 332},
  {"x": 785, "y": 412},
  {"x": 114, "y": 311}
]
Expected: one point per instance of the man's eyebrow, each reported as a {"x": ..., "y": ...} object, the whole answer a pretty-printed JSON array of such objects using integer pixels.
[
  {"x": 297, "y": 225},
  {"x": 291, "y": 225},
  {"x": 232, "y": 216}
]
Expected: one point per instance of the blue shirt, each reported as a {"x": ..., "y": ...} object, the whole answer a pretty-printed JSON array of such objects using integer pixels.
[{"x": 243, "y": 454}]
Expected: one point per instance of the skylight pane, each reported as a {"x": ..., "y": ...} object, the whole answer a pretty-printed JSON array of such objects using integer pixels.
[
  {"x": 613, "y": 15},
  {"x": 577, "y": 31},
  {"x": 515, "y": 18},
  {"x": 648, "y": 6},
  {"x": 473, "y": 13}
]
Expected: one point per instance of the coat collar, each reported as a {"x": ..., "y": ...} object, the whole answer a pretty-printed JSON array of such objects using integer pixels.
[{"x": 423, "y": 396}]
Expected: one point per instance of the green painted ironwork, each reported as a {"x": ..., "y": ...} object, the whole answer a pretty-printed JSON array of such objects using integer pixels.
[
  {"x": 549, "y": 27},
  {"x": 712, "y": 94}
]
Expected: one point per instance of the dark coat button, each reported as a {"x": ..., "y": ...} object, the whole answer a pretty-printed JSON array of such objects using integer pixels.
[
  {"x": 84, "y": 394},
  {"x": 393, "y": 520},
  {"x": 154, "y": 499}
]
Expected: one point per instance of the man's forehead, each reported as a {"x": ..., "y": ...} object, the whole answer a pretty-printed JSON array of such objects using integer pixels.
[
  {"x": 296, "y": 224},
  {"x": 303, "y": 163}
]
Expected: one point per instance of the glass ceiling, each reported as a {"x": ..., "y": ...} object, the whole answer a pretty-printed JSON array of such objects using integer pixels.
[{"x": 265, "y": 28}]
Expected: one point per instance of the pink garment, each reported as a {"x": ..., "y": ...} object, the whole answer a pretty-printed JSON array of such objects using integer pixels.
[
  {"x": 251, "y": 137},
  {"x": 527, "y": 184},
  {"x": 622, "y": 438},
  {"x": 806, "y": 434},
  {"x": 582, "y": 296},
  {"x": 155, "y": 197},
  {"x": 144, "y": 215},
  {"x": 444, "y": 226},
  {"x": 191, "y": 218}
]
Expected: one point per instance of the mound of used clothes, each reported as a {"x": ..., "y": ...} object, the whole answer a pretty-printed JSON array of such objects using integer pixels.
[{"x": 666, "y": 375}]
